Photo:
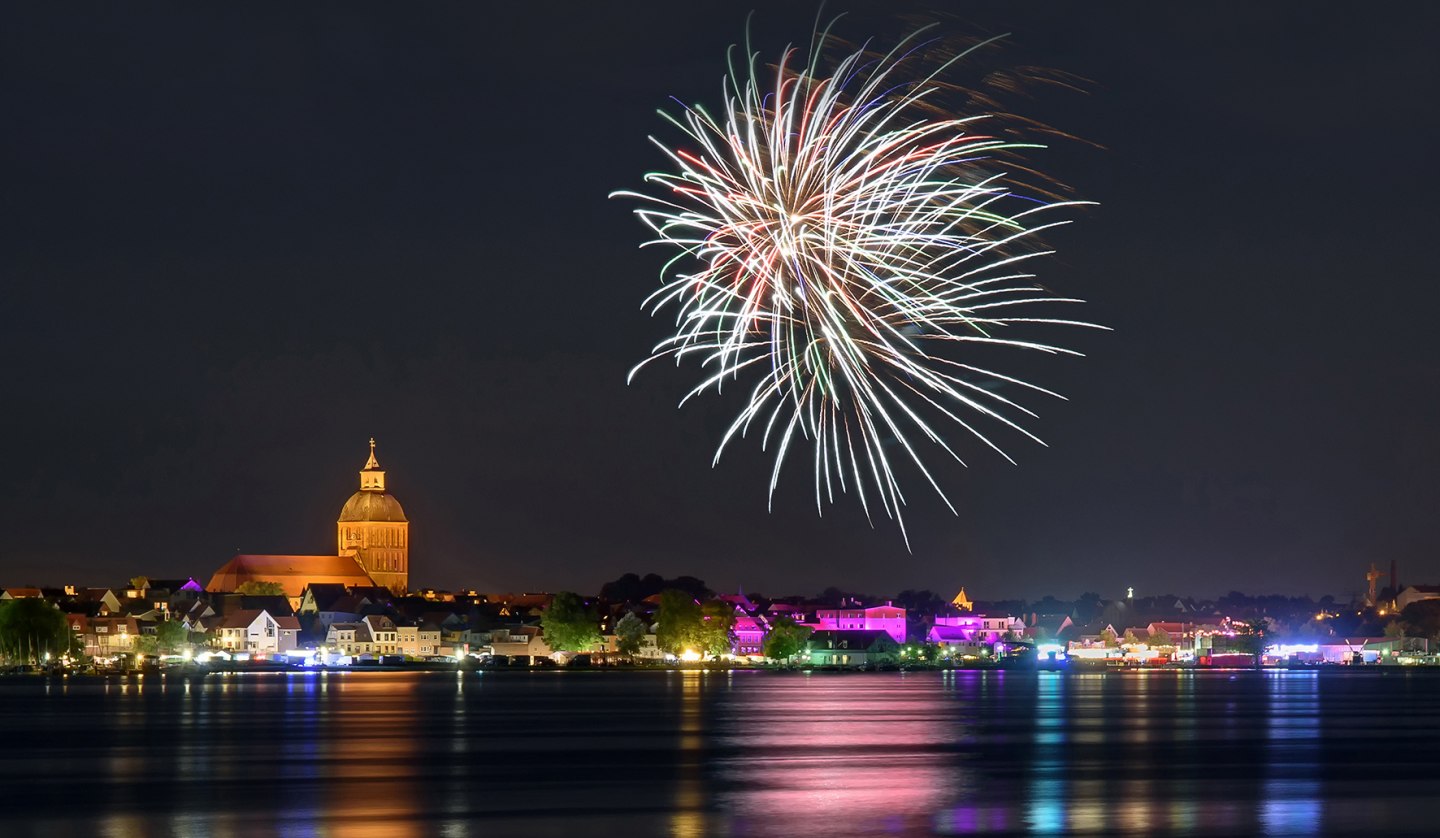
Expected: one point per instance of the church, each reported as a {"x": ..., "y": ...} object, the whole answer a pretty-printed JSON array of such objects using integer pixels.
[{"x": 372, "y": 548}]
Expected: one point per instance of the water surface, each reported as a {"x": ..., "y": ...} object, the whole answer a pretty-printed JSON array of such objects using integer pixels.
[{"x": 714, "y": 753}]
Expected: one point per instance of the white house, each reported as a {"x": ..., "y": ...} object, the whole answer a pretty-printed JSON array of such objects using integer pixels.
[
  {"x": 384, "y": 634},
  {"x": 255, "y": 630}
]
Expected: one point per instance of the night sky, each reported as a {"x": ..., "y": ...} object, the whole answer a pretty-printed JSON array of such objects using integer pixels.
[{"x": 239, "y": 241}]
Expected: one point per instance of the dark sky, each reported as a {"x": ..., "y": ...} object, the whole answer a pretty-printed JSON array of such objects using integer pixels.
[{"x": 238, "y": 241}]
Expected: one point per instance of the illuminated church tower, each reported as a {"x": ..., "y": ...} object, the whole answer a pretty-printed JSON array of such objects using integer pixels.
[{"x": 373, "y": 530}]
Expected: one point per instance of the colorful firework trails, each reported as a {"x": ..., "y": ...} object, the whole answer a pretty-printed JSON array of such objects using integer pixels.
[{"x": 844, "y": 246}]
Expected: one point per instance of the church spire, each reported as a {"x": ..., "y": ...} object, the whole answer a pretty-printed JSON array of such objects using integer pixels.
[{"x": 372, "y": 478}]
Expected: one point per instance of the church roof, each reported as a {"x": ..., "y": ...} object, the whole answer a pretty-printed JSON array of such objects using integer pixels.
[
  {"x": 293, "y": 573},
  {"x": 371, "y": 506}
]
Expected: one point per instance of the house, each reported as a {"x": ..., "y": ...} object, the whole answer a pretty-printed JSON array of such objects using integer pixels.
[
  {"x": 649, "y": 648},
  {"x": 519, "y": 641},
  {"x": 520, "y": 605},
  {"x": 1416, "y": 593},
  {"x": 852, "y": 648},
  {"x": 102, "y": 600},
  {"x": 887, "y": 618},
  {"x": 350, "y": 638},
  {"x": 959, "y": 640},
  {"x": 981, "y": 628},
  {"x": 384, "y": 634},
  {"x": 418, "y": 641},
  {"x": 1178, "y": 634},
  {"x": 22, "y": 593},
  {"x": 107, "y": 636},
  {"x": 198, "y": 617},
  {"x": 258, "y": 631},
  {"x": 749, "y": 635}
]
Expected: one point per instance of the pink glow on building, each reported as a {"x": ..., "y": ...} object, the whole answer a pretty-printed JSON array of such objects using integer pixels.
[
  {"x": 749, "y": 635},
  {"x": 973, "y": 628},
  {"x": 886, "y": 618}
]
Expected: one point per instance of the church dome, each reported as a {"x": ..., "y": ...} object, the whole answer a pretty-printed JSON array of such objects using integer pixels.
[{"x": 371, "y": 506}]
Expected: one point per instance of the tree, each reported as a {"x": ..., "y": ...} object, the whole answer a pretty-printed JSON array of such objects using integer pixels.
[
  {"x": 1130, "y": 637},
  {"x": 1250, "y": 637},
  {"x": 1159, "y": 637},
  {"x": 568, "y": 625},
  {"x": 1109, "y": 638},
  {"x": 259, "y": 588},
  {"x": 630, "y": 633},
  {"x": 170, "y": 635},
  {"x": 836, "y": 598},
  {"x": 140, "y": 583},
  {"x": 1422, "y": 619},
  {"x": 677, "y": 622},
  {"x": 924, "y": 602},
  {"x": 30, "y": 628},
  {"x": 786, "y": 639},
  {"x": 717, "y": 628},
  {"x": 632, "y": 588}
]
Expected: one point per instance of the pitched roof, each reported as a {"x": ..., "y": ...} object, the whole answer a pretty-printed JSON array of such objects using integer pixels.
[
  {"x": 293, "y": 573},
  {"x": 292, "y": 623},
  {"x": 379, "y": 622},
  {"x": 241, "y": 619},
  {"x": 323, "y": 593},
  {"x": 362, "y": 631},
  {"x": 945, "y": 634}
]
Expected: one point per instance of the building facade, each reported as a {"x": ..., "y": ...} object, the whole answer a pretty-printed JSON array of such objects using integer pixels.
[
  {"x": 374, "y": 530},
  {"x": 853, "y": 648},
  {"x": 887, "y": 618},
  {"x": 258, "y": 631}
]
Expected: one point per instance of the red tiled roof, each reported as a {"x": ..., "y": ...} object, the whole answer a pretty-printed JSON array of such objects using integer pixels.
[
  {"x": 293, "y": 573},
  {"x": 240, "y": 619}
]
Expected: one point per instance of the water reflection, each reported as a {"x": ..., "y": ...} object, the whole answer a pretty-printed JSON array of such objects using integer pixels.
[
  {"x": 745, "y": 754},
  {"x": 688, "y": 819},
  {"x": 1291, "y": 802},
  {"x": 863, "y": 756}
]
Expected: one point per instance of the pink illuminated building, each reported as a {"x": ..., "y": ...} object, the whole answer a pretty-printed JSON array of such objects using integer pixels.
[
  {"x": 886, "y": 618},
  {"x": 973, "y": 628},
  {"x": 750, "y": 629},
  {"x": 749, "y": 635}
]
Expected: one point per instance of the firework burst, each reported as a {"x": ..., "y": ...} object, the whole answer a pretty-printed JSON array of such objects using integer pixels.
[{"x": 844, "y": 247}]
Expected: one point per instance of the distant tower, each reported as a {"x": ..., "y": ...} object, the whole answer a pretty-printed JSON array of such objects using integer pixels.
[
  {"x": 962, "y": 602},
  {"x": 374, "y": 531},
  {"x": 1372, "y": 577}
]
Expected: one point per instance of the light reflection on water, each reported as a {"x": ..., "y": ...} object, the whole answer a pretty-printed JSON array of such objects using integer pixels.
[{"x": 690, "y": 754}]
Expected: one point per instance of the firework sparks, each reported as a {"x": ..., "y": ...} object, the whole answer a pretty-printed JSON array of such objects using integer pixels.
[{"x": 843, "y": 248}]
